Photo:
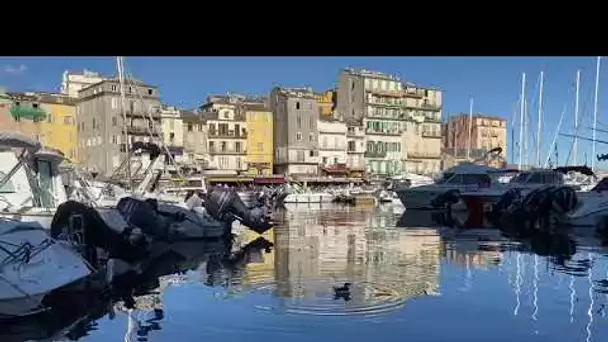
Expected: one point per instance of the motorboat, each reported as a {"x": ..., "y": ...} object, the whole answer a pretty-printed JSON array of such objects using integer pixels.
[
  {"x": 464, "y": 177},
  {"x": 30, "y": 185},
  {"x": 32, "y": 265},
  {"x": 304, "y": 195}
]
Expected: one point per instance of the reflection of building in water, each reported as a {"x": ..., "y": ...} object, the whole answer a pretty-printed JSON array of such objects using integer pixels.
[
  {"x": 317, "y": 251},
  {"x": 467, "y": 252},
  {"x": 260, "y": 266}
]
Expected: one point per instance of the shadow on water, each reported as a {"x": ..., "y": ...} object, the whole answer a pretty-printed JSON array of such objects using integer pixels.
[{"x": 353, "y": 273}]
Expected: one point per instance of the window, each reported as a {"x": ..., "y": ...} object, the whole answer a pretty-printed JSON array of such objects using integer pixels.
[
  {"x": 171, "y": 136},
  {"x": 300, "y": 156},
  {"x": 299, "y": 136},
  {"x": 114, "y": 103},
  {"x": 311, "y": 122},
  {"x": 150, "y": 91},
  {"x": 114, "y": 88},
  {"x": 297, "y": 104},
  {"x": 189, "y": 127},
  {"x": 45, "y": 181},
  {"x": 237, "y": 146},
  {"x": 67, "y": 120},
  {"x": 299, "y": 122},
  {"x": 311, "y": 137},
  {"x": 211, "y": 146},
  {"x": 114, "y": 121},
  {"x": 114, "y": 140},
  {"x": 223, "y": 146},
  {"x": 94, "y": 124}
]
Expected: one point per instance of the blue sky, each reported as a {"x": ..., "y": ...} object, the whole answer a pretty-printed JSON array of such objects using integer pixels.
[{"x": 493, "y": 82}]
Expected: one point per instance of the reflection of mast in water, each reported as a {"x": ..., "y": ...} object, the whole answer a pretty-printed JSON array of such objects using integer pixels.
[
  {"x": 130, "y": 325},
  {"x": 591, "y": 300},
  {"x": 572, "y": 296},
  {"x": 518, "y": 282},
  {"x": 535, "y": 286}
]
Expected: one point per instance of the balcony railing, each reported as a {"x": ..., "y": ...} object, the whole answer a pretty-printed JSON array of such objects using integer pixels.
[
  {"x": 432, "y": 106},
  {"x": 431, "y": 134},
  {"x": 136, "y": 130},
  {"x": 423, "y": 155},
  {"x": 27, "y": 112},
  {"x": 374, "y": 154},
  {"x": 142, "y": 114},
  {"x": 372, "y": 132},
  {"x": 218, "y": 151},
  {"x": 227, "y": 135}
]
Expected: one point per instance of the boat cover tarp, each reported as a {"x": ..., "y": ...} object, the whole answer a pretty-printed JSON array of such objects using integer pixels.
[{"x": 18, "y": 140}]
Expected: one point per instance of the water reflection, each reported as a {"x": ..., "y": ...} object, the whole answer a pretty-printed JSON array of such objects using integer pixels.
[{"x": 347, "y": 273}]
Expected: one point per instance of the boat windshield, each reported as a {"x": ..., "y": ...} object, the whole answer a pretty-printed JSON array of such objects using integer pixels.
[
  {"x": 520, "y": 178},
  {"x": 444, "y": 177},
  {"x": 538, "y": 178},
  {"x": 8, "y": 186}
]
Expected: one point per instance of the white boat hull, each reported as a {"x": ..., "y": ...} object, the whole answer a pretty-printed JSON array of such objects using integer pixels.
[
  {"x": 26, "y": 279},
  {"x": 42, "y": 216},
  {"x": 309, "y": 198}
]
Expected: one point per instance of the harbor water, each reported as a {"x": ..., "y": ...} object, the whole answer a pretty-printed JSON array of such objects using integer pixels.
[{"x": 329, "y": 273}]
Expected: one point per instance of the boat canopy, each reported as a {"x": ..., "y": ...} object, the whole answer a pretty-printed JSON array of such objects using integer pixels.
[
  {"x": 51, "y": 154},
  {"x": 17, "y": 140}
]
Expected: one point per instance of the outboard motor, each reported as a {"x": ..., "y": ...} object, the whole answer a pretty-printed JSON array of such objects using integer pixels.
[{"x": 225, "y": 205}]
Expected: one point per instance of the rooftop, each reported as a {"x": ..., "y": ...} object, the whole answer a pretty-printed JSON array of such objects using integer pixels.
[
  {"x": 477, "y": 116},
  {"x": 371, "y": 73},
  {"x": 304, "y": 92}
]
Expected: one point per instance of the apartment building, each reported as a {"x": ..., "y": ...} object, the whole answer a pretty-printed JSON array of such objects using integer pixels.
[
  {"x": 226, "y": 124},
  {"x": 260, "y": 153},
  {"x": 487, "y": 132},
  {"x": 332, "y": 141},
  {"x": 58, "y": 129},
  {"x": 296, "y": 145},
  {"x": 388, "y": 108},
  {"x": 422, "y": 130},
  {"x": 194, "y": 139},
  {"x": 102, "y": 131},
  {"x": 327, "y": 102},
  {"x": 21, "y": 112},
  {"x": 355, "y": 146},
  {"x": 73, "y": 82}
]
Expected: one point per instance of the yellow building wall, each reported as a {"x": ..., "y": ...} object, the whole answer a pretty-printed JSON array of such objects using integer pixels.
[
  {"x": 326, "y": 103},
  {"x": 259, "y": 142},
  {"x": 60, "y": 130}
]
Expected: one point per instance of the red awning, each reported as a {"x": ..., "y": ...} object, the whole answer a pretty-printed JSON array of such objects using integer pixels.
[
  {"x": 269, "y": 180},
  {"x": 336, "y": 169}
]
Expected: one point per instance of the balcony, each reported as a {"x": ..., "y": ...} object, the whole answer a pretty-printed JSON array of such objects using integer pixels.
[
  {"x": 137, "y": 130},
  {"x": 385, "y": 104},
  {"x": 142, "y": 114},
  {"x": 227, "y": 135},
  {"x": 374, "y": 154},
  {"x": 227, "y": 152},
  {"x": 31, "y": 113},
  {"x": 431, "y": 134},
  {"x": 430, "y": 106},
  {"x": 392, "y": 133},
  {"x": 423, "y": 155}
]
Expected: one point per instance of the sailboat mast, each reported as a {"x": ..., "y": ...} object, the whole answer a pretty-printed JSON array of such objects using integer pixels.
[
  {"x": 578, "y": 82},
  {"x": 521, "y": 118},
  {"x": 470, "y": 127},
  {"x": 595, "y": 104},
  {"x": 526, "y": 134},
  {"x": 120, "y": 66},
  {"x": 540, "y": 118}
]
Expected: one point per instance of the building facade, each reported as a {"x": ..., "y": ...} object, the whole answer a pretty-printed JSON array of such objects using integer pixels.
[
  {"x": 422, "y": 134},
  {"x": 58, "y": 130},
  {"x": 295, "y": 115},
  {"x": 327, "y": 103},
  {"x": 388, "y": 108},
  {"x": 21, "y": 112},
  {"x": 260, "y": 152},
  {"x": 73, "y": 82},
  {"x": 355, "y": 146},
  {"x": 226, "y": 132},
  {"x": 102, "y": 132},
  {"x": 487, "y": 132},
  {"x": 332, "y": 141},
  {"x": 195, "y": 140}
]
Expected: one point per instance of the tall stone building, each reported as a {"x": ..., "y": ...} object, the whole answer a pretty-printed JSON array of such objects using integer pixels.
[
  {"x": 388, "y": 108},
  {"x": 73, "y": 82},
  {"x": 101, "y": 129},
  {"x": 487, "y": 132},
  {"x": 295, "y": 115}
]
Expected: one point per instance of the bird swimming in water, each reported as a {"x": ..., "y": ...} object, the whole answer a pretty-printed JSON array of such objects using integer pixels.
[{"x": 342, "y": 292}]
